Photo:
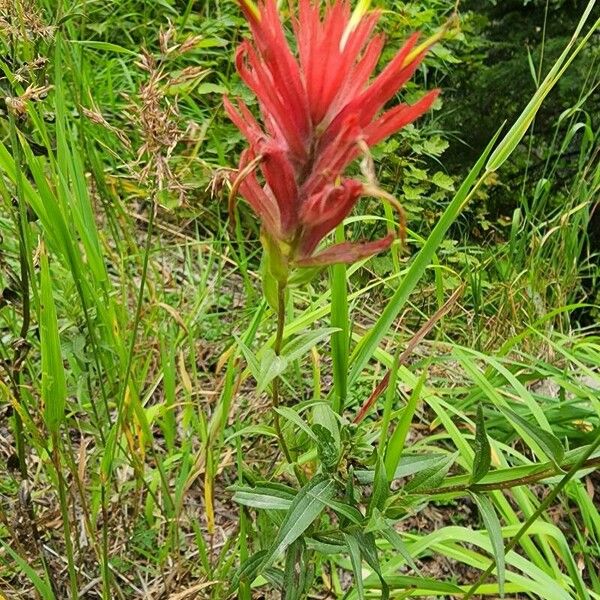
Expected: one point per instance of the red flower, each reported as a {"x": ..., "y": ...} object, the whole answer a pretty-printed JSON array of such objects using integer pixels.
[{"x": 317, "y": 111}]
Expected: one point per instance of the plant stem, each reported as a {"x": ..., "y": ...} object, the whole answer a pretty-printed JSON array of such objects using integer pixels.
[
  {"x": 509, "y": 483},
  {"x": 277, "y": 381},
  {"x": 64, "y": 509},
  {"x": 536, "y": 514}
]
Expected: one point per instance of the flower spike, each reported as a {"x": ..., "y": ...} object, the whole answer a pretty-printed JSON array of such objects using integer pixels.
[{"x": 321, "y": 108}]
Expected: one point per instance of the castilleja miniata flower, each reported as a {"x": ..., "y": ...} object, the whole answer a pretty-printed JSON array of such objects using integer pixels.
[{"x": 320, "y": 110}]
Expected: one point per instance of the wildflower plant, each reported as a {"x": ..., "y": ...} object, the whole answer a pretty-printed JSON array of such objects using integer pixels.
[{"x": 322, "y": 107}]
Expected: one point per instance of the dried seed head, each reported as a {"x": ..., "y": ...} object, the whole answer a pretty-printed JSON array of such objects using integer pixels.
[
  {"x": 18, "y": 104},
  {"x": 23, "y": 20},
  {"x": 95, "y": 116}
]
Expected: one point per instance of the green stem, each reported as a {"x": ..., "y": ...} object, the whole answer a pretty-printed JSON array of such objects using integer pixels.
[
  {"x": 281, "y": 287},
  {"x": 64, "y": 509},
  {"x": 536, "y": 514},
  {"x": 509, "y": 483},
  {"x": 277, "y": 381}
]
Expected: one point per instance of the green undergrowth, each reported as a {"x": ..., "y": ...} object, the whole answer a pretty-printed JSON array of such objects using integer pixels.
[{"x": 138, "y": 453}]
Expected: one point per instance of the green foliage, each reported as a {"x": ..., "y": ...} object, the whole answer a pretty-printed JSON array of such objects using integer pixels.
[{"x": 137, "y": 349}]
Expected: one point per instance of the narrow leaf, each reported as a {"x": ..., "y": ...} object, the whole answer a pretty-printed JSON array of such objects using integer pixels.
[
  {"x": 546, "y": 440},
  {"x": 306, "y": 507},
  {"x": 356, "y": 560},
  {"x": 482, "y": 452},
  {"x": 433, "y": 476},
  {"x": 54, "y": 390},
  {"x": 494, "y": 529},
  {"x": 395, "y": 446},
  {"x": 381, "y": 488}
]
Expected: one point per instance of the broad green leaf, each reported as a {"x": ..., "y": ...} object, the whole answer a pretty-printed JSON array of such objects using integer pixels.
[
  {"x": 326, "y": 545},
  {"x": 328, "y": 449},
  {"x": 346, "y": 511},
  {"x": 271, "y": 366},
  {"x": 269, "y": 284},
  {"x": 306, "y": 507},
  {"x": 432, "y": 476},
  {"x": 381, "y": 488},
  {"x": 296, "y": 573},
  {"x": 494, "y": 529},
  {"x": 324, "y": 416},
  {"x": 409, "y": 465},
  {"x": 301, "y": 344},
  {"x": 482, "y": 452},
  {"x": 293, "y": 417},
  {"x": 268, "y": 496},
  {"x": 369, "y": 551}
]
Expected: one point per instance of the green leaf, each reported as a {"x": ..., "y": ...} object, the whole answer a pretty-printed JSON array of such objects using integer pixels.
[
  {"x": 267, "y": 496},
  {"x": 368, "y": 344},
  {"x": 395, "y": 446},
  {"x": 54, "y": 389},
  {"x": 249, "y": 569},
  {"x": 494, "y": 530},
  {"x": 339, "y": 320},
  {"x": 432, "y": 476},
  {"x": 271, "y": 366},
  {"x": 324, "y": 415},
  {"x": 379, "y": 524},
  {"x": 423, "y": 584},
  {"x": 328, "y": 449},
  {"x": 443, "y": 181},
  {"x": 356, "y": 560},
  {"x": 547, "y": 441},
  {"x": 210, "y": 88},
  {"x": 42, "y": 586},
  {"x": 381, "y": 488},
  {"x": 369, "y": 551},
  {"x": 107, "y": 46},
  {"x": 293, "y": 417},
  {"x": 269, "y": 284},
  {"x": 348, "y": 512},
  {"x": 306, "y": 507},
  {"x": 300, "y": 345},
  {"x": 482, "y": 451},
  {"x": 296, "y": 574},
  {"x": 409, "y": 465}
]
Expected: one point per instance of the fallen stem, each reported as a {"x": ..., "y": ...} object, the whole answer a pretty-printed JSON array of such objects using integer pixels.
[
  {"x": 412, "y": 344},
  {"x": 509, "y": 483}
]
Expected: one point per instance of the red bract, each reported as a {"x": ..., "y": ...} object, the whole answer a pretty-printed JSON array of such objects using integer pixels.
[{"x": 319, "y": 111}]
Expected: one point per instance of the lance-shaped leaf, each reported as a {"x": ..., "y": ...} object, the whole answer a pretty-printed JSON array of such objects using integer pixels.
[{"x": 306, "y": 507}]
